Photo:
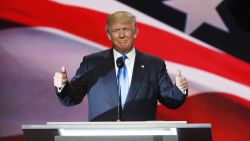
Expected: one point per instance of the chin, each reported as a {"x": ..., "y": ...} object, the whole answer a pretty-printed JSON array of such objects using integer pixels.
[{"x": 124, "y": 49}]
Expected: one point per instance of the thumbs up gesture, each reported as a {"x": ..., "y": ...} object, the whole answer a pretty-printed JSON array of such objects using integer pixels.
[
  {"x": 181, "y": 81},
  {"x": 60, "y": 78}
]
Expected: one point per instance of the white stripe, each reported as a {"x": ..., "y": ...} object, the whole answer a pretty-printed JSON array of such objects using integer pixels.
[
  {"x": 201, "y": 81},
  {"x": 71, "y": 36},
  {"x": 110, "y": 6}
]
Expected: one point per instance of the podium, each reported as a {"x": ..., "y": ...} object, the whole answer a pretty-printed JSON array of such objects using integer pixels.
[{"x": 118, "y": 131}]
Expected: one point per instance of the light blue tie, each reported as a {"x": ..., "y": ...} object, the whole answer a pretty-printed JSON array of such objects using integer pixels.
[{"x": 124, "y": 82}]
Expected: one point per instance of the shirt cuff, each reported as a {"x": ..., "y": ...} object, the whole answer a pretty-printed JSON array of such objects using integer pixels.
[
  {"x": 184, "y": 91},
  {"x": 59, "y": 89}
]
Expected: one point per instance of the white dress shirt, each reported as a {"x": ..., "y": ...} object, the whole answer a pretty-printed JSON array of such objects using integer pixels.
[{"x": 129, "y": 62}]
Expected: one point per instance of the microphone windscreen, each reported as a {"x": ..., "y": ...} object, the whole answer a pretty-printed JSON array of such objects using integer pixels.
[{"x": 119, "y": 62}]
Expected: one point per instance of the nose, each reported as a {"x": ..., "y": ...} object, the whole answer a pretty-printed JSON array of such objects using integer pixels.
[{"x": 121, "y": 34}]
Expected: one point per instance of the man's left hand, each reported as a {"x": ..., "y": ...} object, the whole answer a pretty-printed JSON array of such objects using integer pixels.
[{"x": 181, "y": 82}]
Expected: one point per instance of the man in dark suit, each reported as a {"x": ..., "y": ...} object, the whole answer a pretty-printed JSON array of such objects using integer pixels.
[{"x": 121, "y": 83}]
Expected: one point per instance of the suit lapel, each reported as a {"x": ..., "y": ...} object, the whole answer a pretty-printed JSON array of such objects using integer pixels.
[
  {"x": 110, "y": 79},
  {"x": 137, "y": 77}
]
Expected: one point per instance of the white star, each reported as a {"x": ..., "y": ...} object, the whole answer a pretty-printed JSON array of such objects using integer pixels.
[{"x": 199, "y": 12}]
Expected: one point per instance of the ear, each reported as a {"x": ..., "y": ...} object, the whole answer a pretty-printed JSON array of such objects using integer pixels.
[
  {"x": 109, "y": 36},
  {"x": 136, "y": 32}
]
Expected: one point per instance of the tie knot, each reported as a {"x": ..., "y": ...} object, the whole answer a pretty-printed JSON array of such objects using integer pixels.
[{"x": 124, "y": 57}]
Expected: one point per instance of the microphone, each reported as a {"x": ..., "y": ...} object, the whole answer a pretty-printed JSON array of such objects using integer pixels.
[{"x": 119, "y": 64}]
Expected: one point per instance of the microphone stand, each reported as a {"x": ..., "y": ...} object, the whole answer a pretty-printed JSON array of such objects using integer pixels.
[{"x": 119, "y": 95}]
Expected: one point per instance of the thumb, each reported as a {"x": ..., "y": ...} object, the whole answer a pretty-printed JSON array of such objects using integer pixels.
[
  {"x": 178, "y": 73},
  {"x": 63, "y": 69}
]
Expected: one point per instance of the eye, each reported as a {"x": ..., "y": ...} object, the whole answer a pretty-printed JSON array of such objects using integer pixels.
[
  {"x": 115, "y": 30},
  {"x": 125, "y": 29}
]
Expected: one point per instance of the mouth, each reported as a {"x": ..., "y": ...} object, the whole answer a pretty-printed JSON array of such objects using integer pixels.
[{"x": 123, "y": 41}]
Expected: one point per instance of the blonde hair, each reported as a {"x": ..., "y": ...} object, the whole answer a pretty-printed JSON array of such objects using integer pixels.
[{"x": 121, "y": 16}]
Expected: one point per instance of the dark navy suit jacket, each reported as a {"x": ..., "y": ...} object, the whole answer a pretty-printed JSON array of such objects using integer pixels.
[{"x": 96, "y": 77}]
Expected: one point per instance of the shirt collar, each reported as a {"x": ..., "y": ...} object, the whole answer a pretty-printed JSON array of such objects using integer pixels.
[{"x": 130, "y": 55}]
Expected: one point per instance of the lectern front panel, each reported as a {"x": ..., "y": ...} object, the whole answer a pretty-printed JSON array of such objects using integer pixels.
[{"x": 117, "y": 138}]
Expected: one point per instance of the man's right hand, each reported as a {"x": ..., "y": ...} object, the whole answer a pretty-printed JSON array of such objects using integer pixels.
[{"x": 60, "y": 78}]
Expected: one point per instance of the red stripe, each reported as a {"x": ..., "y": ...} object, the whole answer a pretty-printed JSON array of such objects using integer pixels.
[
  {"x": 90, "y": 24},
  {"x": 230, "y": 120}
]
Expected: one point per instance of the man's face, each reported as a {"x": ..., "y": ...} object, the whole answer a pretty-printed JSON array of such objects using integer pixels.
[{"x": 122, "y": 35}]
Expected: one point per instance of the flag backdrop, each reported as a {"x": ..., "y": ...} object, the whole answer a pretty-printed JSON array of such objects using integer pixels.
[{"x": 200, "y": 38}]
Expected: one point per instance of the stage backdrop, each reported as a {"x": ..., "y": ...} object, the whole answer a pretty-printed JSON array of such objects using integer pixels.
[{"x": 198, "y": 37}]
